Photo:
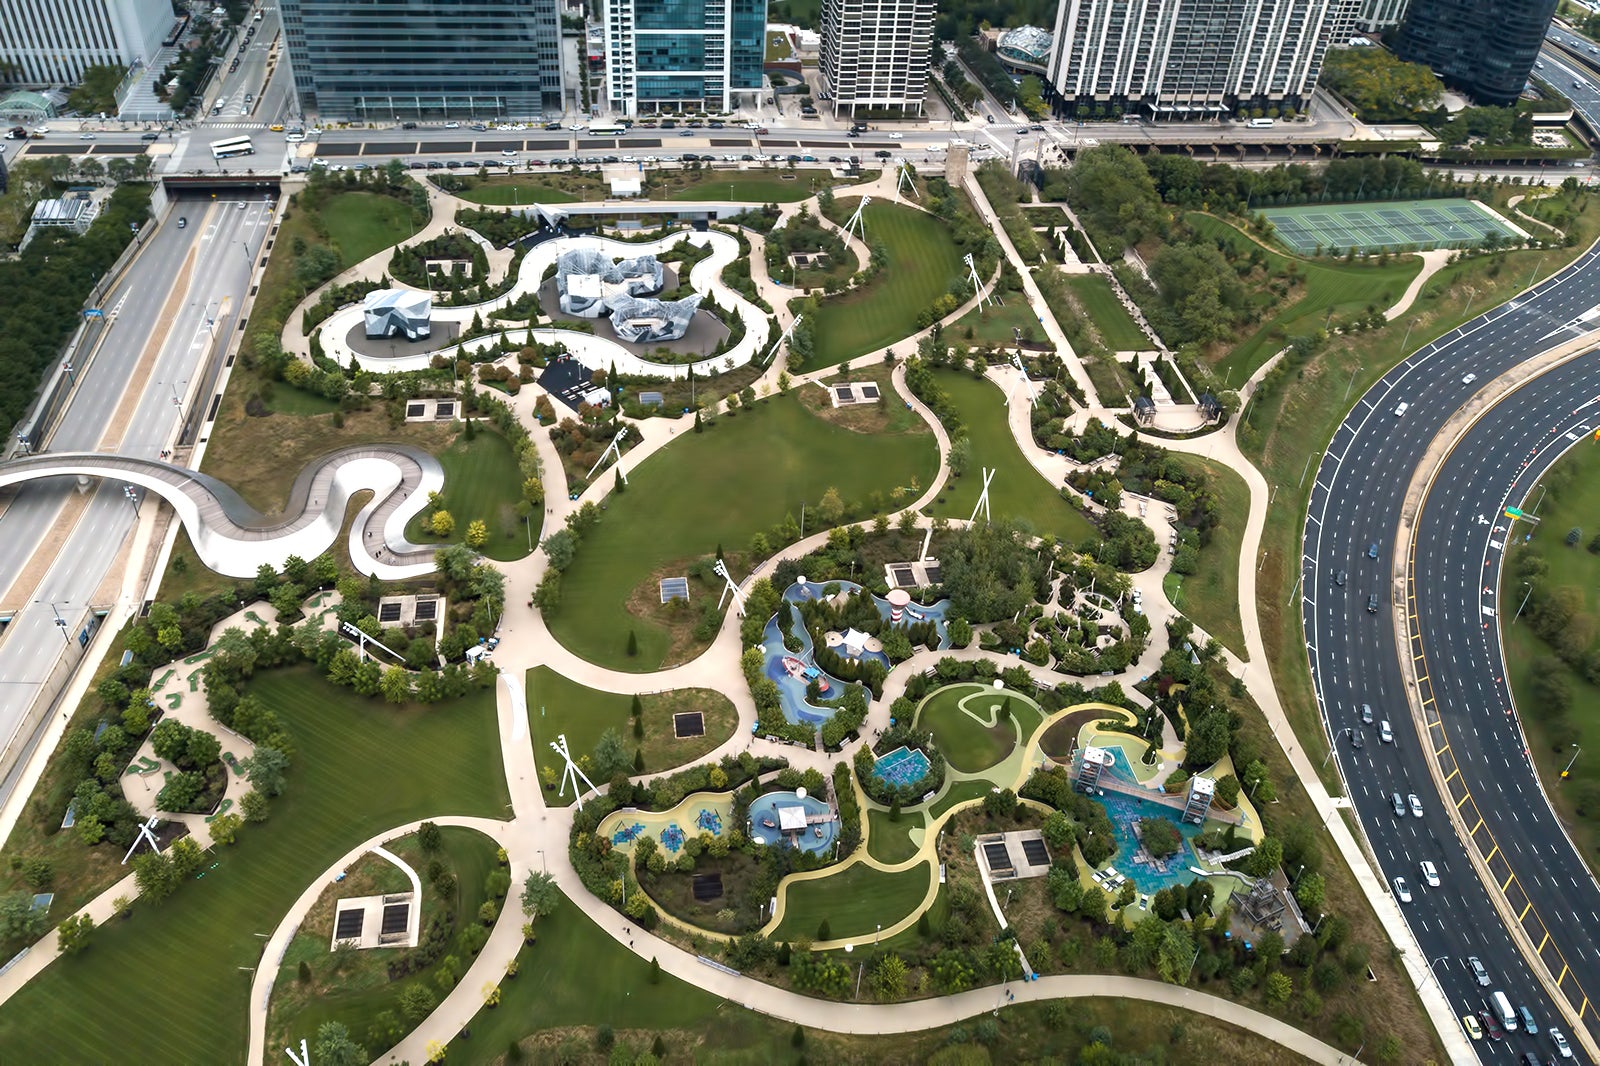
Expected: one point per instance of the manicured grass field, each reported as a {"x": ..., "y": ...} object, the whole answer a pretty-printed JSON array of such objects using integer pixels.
[
  {"x": 503, "y": 191},
  {"x": 1343, "y": 289},
  {"x": 739, "y": 185},
  {"x": 740, "y": 476},
  {"x": 920, "y": 263},
  {"x": 891, "y": 841},
  {"x": 854, "y": 901},
  {"x": 967, "y": 743},
  {"x": 558, "y": 705},
  {"x": 360, "y": 767},
  {"x": 1018, "y": 490},
  {"x": 993, "y": 324},
  {"x": 481, "y": 482},
  {"x": 1121, "y": 332},
  {"x": 1211, "y": 595},
  {"x": 364, "y": 223}
]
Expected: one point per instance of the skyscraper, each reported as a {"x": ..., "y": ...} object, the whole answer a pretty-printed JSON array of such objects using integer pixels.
[
  {"x": 665, "y": 55},
  {"x": 1168, "y": 59},
  {"x": 875, "y": 53},
  {"x": 1380, "y": 14},
  {"x": 1483, "y": 47},
  {"x": 51, "y": 42},
  {"x": 385, "y": 59}
]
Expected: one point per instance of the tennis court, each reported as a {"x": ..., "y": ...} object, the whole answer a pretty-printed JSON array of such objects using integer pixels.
[{"x": 1393, "y": 225}]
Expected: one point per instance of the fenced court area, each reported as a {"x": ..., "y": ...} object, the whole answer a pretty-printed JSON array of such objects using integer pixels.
[{"x": 1395, "y": 225}]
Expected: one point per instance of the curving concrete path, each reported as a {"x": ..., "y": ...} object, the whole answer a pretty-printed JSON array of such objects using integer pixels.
[{"x": 232, "y": 538}]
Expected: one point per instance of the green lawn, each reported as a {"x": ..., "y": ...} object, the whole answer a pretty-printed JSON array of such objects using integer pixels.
[
  {"x": 1211, "y": 596},
  {"x": 854, "y": 901},
  {"x": 359, "y": 767},
  {"x": 361, "y": 224},
  {"x": 558, "y": 705},
  {"x": 1343, "y": 289},
  {"x": 481, "y": 481},
  {"x": 891, "y": 841},
  {"x": 502, "y": 191},
  {"x": 740, "y": 476},
  {"x": 778, "y": 47},
  {"x": 1018, "y": 490},
  {"x": 967, "y": 743},
  {"x": 1120, "y": 332},
  {"x": 993, "y": 325},
  {"x": 920, "y": 263},
  {"x": 740, "y": 186},
  {"x": 1572, "y": 501}
]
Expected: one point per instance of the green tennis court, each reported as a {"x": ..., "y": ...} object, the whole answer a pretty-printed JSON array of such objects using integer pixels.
[{"x": 1415, "y": 225}]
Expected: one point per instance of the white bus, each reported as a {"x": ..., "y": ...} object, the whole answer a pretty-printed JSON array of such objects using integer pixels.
[
  {"x": 606, "y": 129},
  {"x": 232, "y": 146}
]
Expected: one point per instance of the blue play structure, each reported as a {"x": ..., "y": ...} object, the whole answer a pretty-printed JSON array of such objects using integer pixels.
[
  {"x": 709, "y": 822},
  {"x": 793, "y": 819}
]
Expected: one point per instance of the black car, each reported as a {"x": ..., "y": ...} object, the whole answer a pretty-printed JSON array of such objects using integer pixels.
[
  {"x": 882, "y": 153},
  {"x": 417, "y": 164},
  {"x": 715, "y": 125},
  {"x": 794, "y": 159},
  {"x": 851, "y": 133},
  {"x": 690, "y": 157},
  {"x": 552, "y": 125},
  {"x": 834, "y": 159},
  {"x": 748, "y": 158},
  {"x": 1339, "y": 577},
  {"x": 1372, "y": 603}
]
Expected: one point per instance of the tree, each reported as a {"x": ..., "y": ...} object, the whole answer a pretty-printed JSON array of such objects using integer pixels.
[
  {"x": 396, "y": 685},
  {"x": 561, "y": 547},
  {"x": 442, "y": 523},
  {"x": 1159, "y": 836},
  {"x": 1278, "y": 989},
  {"x": 253, "y": 805},
  {"x": 633, "y": 649},
  {"x": 224, "y": 828},
  {"x": 831, "y": 508},
  {"x": 19, "y": 919},
  {"x": 540, "y": 895},
  {"x": 610, "y": 757},
  {"x": 429, "y": 838},
  {"x": 889, "y": 976},
  {"x": 477, "y": 533},
  {"x": 152, "y": 872},
  {"x": 1309, "y": 891},
  {"x": 265, "y": 770},
  {"x": 74, "y": 934},
  {"x": 334, "y": 1046}
]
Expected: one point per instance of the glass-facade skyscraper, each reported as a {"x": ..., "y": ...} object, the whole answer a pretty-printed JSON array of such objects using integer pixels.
[
  {"x": 664, "y": 55},
  {"x": 377, "y": 60},
  {"x": 1485, "y": 48}
]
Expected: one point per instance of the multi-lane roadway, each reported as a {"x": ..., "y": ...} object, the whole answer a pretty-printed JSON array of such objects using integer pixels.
[
  {"x": 185, "y": 289},
  {"x": 1354, "y": 505}
]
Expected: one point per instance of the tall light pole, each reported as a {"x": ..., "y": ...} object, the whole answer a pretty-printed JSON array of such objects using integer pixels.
[
  {"x": 61, "y": 623},
  {"x": 1353, "y": 374},
  {"x": 1529, "y": 586},
  {"x": 132, "y": 497},
  {"x": 1565, "y": 770}
]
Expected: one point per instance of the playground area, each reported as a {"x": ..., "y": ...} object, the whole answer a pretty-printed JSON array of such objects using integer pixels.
[
  {"x": 902, "y": 767},
  {"x": 703, "y": 812},
  {"x": 795, "y": 818},
  {"x": 1393, "y": 225}
]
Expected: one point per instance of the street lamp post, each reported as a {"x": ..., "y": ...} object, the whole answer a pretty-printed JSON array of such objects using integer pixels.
[
  {"x": 1356, "y": 371},
  {"x": 132, "y": 497},
  {"x": 1529, "y": 586},
  {"x": 1577, "y": 751},
  {"x": 61, "y": 623}
]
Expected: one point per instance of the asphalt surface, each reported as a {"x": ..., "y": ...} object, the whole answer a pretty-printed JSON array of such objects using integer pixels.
[
  {"x": 216, "y": 234},
  {"x": 1355, "y": 503}
]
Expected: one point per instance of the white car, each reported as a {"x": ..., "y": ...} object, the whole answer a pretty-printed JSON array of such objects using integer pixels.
[
  {"x": 897, "y": 136},
  {"x": 1401, "y": 892},
  {"x": 319, "y": 162},
  {"x": 1469, "y": 379},
  {"x": 452, "y": 125},
  {"x": 1430, "y": 874},
  {"x": 1560, "y": 1042},
  {"x": 629, "y": 159},
  {"x": 1416, "y": 805}
]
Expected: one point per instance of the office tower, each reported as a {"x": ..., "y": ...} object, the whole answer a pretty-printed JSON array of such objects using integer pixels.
[
  {"x": 1377, "y": 15},
  {"x": 668, "y": 55},
  {"x": 51, "y": 42},
  {"x": 1483, "y": 47},
  {"x": 875, "y": 54},
  {"x": 1167, "y": 59},
  {"x": 379, "y": 60}
]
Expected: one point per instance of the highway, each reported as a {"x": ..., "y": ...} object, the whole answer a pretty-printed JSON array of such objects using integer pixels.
[
  {"x": 151, "y": 350},
  {"x": 1355, "y": 503}
]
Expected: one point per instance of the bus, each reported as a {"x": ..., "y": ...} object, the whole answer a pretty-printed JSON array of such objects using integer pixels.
[
  {"x": 232, "y": 146},
  {"x": 606, "y": 129}
]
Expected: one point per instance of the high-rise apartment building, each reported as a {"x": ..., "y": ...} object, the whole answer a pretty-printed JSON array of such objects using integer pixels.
[
  {"x": 1483, "y": 47},
  {"x": 1191, "y": 59},
  {"x": 666, "y": 55},
  {"x": 875, "y": 54},
  {"x": 52, "y": 42},
  {"x": 380, "y": 60}
]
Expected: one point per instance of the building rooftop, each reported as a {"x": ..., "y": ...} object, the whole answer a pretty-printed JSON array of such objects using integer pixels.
[{"x": 1027, "y": 43}]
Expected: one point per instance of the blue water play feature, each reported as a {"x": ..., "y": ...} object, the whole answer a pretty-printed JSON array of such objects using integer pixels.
[
  {"x": 1149, "y": 876},
  {"x": 902, "y": 767},
  {"x": 770, "y": 812},
  {"x": 708, "y": 821},
  {"x": 672, "y": 838}
]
